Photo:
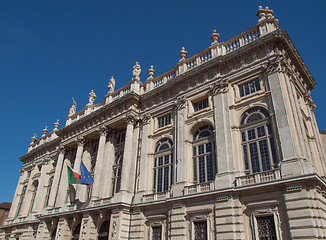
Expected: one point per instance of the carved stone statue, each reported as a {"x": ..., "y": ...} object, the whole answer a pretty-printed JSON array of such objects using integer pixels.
[
  {"x": 91, "y": 98},
  {"x": 72, "y": 110},
  {"x": 136, "y": 71},
  {"x": 111, "y": 85}
]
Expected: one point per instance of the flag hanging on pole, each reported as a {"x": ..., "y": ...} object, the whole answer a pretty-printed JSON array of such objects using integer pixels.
[
  {"x": 85, "y": 176},
  {"x": 73, "y": 176}
]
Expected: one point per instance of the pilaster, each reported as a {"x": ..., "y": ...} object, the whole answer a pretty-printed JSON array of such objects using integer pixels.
[
  {"x": 224, "y": 152},
  {"x": 99, "y": 167},
  {"x": 180, "y": 166},
  {"x": 119, "y": 224}
]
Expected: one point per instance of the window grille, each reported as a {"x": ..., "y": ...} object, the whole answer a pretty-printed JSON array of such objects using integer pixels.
[
  {"x": 201, "y": 105},
  {"x": 164, "y": 121},
  {"x": 200, "y": 230},
  {"x": 249, "y": 87},
  {"x": 157, "y": 233},
  {"x": 266, "y": 228}
]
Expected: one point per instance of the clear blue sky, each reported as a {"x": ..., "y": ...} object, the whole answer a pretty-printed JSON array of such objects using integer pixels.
[{"x": 53, "y": 50}]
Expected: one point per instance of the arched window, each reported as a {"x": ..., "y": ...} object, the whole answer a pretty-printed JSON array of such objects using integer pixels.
[
  {"x": 204, "y": 154},
  {"x": 35, "y": 185},
  {"x": 103, "y": 232},
  {"x": 48, "y": 192},
  {"x": 257, "y": 140},
  {"x": 53, "y": 233},
  {"x": 163, "y": 165},
  {"x": 75, "y": 233},
  {"x": 21, "y": 200}
]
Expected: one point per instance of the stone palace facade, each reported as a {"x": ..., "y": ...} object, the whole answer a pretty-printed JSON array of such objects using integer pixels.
[{"x": 225, "y": 145}]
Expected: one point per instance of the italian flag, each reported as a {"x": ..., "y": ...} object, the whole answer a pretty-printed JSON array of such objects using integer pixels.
[{"x": 73, "y": 176}]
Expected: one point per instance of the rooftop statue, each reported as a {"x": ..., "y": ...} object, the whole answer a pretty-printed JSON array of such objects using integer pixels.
[
  {"x": 91, "y": 98},
  {"x": 136, "y": 71},
  {"x": 72, "y": 110},
  {"x": 111, "y": 85}
]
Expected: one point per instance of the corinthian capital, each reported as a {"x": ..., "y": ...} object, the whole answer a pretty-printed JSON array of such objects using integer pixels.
[
  {"x": 130, "y": 118},
  {"x": 103, "y": 130},
  {"x": 180, "y": 102},
  {"x": 221, "y": 86},
  {"x": 80, "y": 141}
]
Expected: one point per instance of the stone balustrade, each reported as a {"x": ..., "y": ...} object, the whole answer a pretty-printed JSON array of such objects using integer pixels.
[
  {"x": 101, "y": 202},
  {"x": 157, "y": 196},
  {"x": 198, "y": 188},
  {"x": 260, "y": 177}
]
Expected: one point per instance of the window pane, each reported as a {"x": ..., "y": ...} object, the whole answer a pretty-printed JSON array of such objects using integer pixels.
[
  {"x": 201, "y": 166},
  {"x": 264, "y": 155},
  {"x": 245, "y": 156},
  {"x": 201, "y": 149},
  {"x": 210, "y": 172},
  {"x": 254, "y": 157},
  {"x": 261, "y": 131},
  {"x": 251, "y": 134},
  {"x": 159, "y": 179}
]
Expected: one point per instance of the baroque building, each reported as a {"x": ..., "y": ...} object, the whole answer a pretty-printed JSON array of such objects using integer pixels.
[{"x": 225, "y": 145}]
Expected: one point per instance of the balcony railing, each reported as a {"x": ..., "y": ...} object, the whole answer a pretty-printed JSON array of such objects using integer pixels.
[
  {"x": 260, "y": 177},
  {"x": 157, "y": 196},
  {"x": 101, "y": 202},
  {"x": 198, "y": 188}
]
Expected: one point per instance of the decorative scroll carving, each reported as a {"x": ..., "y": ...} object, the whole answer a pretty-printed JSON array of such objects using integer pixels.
[
  {"x": 180, "y": 102},
  {"x": 220, "y": 87}
]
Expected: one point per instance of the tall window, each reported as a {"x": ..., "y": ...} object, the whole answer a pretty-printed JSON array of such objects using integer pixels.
[
  {"x": 35, "y": 185},
  {"x": 21, "y": 200},
  {"x": 48, "y": 192},
  {"x": 163, "y": 165},
  {"x": 118, "y": 158},
  {"x": 103, "y": 232},
  {"x": 257, "y": 140},
  {"x": 204, "y": 155}
]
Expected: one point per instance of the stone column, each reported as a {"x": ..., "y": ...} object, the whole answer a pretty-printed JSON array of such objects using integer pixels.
[
  {"x": 145, "y": 166},
  {"x": 99, "y": 167},
  {"x": 127, "y": 164},
  {"x": 57, "y": 176},
  {"x": 224, "y": 153},
  {"x": 41, "y": 190},
  {"x": 179, "y": 142}
]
